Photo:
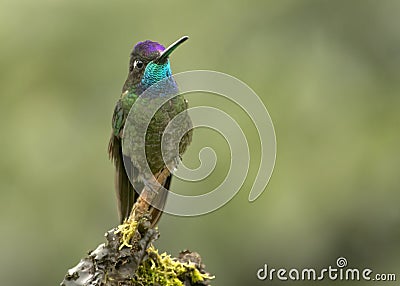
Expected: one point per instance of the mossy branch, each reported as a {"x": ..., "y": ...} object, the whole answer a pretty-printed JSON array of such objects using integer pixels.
[
  {"x": 129, "y": 258},
  {"x": 114, "y": 263}
]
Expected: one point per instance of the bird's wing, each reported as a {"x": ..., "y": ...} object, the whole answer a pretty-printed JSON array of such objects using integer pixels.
[{"x": 126, "y": 195}]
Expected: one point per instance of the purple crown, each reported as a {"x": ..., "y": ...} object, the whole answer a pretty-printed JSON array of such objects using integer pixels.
[{"x": 148, "y": 48}]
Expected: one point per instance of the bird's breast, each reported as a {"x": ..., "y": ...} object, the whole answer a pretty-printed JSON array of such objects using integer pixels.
[{"x": 164, "y": 126}]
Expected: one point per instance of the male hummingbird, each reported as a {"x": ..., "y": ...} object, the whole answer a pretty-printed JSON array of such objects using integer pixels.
[{"x": 149, "y": 64}]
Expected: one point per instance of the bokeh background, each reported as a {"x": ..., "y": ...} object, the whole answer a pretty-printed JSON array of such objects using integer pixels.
[{"x": 328, "y": 72}]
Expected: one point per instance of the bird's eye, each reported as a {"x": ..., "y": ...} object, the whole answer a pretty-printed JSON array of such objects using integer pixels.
[{"x": 138, "y": 64}]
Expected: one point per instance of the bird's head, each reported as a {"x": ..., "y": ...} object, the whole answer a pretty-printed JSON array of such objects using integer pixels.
[{"x": 149, "y": 64}]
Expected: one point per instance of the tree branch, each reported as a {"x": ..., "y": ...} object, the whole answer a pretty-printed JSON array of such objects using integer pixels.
[{"x": 136, "y": 262}]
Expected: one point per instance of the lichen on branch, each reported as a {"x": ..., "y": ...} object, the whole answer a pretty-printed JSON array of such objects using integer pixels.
[{"x": 129, "y": 258}]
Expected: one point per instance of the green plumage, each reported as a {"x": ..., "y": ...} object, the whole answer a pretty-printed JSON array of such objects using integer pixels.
[{"x": 142, "y": 95}]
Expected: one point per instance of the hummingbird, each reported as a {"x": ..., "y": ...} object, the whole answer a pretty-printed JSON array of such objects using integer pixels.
[{"x": 149, "y": 64}]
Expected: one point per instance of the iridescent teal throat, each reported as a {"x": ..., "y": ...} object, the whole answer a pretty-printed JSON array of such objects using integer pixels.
[{"x": 154, "y": 73}]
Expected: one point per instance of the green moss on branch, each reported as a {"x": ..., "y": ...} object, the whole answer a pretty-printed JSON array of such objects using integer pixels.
[{"x": 129, "y": 258}]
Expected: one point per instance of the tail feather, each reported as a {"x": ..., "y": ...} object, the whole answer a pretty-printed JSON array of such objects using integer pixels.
[
  {"x": 161, "y": 200},
  {"x": 126, "y": 194}
]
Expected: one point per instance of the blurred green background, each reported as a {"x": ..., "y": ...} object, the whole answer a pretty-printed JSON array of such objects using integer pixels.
[{"x": 328, "y": 72}]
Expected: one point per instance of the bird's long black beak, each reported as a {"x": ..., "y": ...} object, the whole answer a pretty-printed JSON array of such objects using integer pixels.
[{"x": 165, "y": 54}]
